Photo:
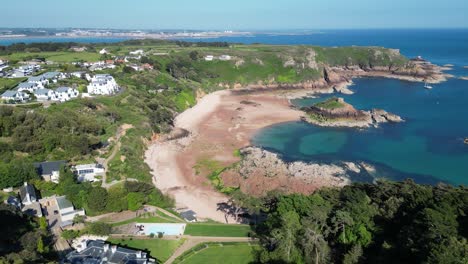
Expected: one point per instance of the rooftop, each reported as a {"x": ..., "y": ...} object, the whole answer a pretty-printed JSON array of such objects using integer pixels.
[
  {"x": 47, "y": 167},
  {"x": 63, "y": 203}
]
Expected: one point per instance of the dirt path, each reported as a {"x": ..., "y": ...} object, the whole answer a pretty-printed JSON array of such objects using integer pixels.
[
  {"x": 193, "y": 241},
  {"x": 121, "y": 131}
]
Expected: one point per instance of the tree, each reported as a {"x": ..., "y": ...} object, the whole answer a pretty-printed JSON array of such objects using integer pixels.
[
  {"x": 315, "y": 246},
  {"x": 97, "y": 199},
  {"x": 285, "y": 238},
  {"x": 70, "y": 234},
  {"x": 99, "y": 228},
  {"x": 135, "y": 200},
  {"x": 43, "y": 223},
  {"x": 194, "y": 55}
]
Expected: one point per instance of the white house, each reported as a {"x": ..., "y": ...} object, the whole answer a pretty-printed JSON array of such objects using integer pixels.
[
  {"x": 88, "y": 172},
  {"x": 66, "y": 93},
  {"x": 45, "y": 95},
  {"x": 53, "y": 76},
  {"x": 66, "y": 211},
  {"x": 103, "y": 51},
  {"x": 137, "y": 52},
  {"x": 16, "y": 96},
  {"x": 209, "y": 57},
  {"x": 103, "y": 84},
  {"x": 27, "y": 194},
  {"x": 28, "y": 86},
  {"x": 49, "y": 170},
  {"x": 40, "y": 80},
  {"x": 225, "y": 57},
  {"x": 76, "y": 74}
]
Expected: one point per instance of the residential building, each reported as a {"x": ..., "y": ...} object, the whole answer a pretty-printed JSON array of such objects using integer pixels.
[
  {"x": 103, "y": 84},
  {"x": 209, "y": 57},
  {"x": 77, "y": 74},
  {"x": 67, "y": 211},
  {"x": 27, "y": 194},
  {"x": 78, "y": 48},
  {"x": 98, "y": 251},
  {"x": 53, "y": 76},
  {"x": 28, "y": 86},
  {"x": 50, "y": 170},
  {"x": 40, "y": 80},
  {"x": 66, "y": 93},
  {"x": 16, "y": 96},
  {"x": 137, "y": 52},
  {"x": 147, "y": 66},
  {"x": 45, "y": 95},
  {"x": 189, "y": 216},
  {"x": 88, "y": 172},
  {"x": 103, "y": 51},
  {"x": 225, "y": 57},
  {"x": 13, "y": 200},
  {"x": 17, "y": 73},
  {"x": 26, "y": 70}
]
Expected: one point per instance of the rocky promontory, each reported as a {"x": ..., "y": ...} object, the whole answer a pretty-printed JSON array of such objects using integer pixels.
[
  {"x": 337, "y": 113},
  {"x": 307, "y": 176}
]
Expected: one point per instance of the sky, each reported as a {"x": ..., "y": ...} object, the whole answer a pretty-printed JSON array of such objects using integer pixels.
[{"x": 235, "y": 14}]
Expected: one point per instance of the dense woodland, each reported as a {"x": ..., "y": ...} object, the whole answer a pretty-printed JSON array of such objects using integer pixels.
[
  {"x": 24, "y": 239},
  {"x": 387, "y": 222}
]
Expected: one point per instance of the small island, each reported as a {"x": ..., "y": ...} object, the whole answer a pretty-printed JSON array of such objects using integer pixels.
[{"x": 335, "y": 112}]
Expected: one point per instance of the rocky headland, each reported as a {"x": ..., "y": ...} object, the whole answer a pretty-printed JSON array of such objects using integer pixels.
[
  {"x": 259, "y": 163},
  {"x": 336, "y": 112}
]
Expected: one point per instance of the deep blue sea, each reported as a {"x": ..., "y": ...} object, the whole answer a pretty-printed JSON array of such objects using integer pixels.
[{"x": 428, "y": 147}]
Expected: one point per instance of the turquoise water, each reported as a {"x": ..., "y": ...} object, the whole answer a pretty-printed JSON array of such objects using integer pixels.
[
  {"x": 166, "y": 229},
  {"x": 427, "y": 147}
]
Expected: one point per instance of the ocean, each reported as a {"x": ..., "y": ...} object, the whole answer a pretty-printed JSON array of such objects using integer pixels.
[{"x": 427, "y": 147}]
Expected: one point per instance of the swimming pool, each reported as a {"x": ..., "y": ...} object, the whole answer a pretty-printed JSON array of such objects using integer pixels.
[{"x": 165, "y": 229}]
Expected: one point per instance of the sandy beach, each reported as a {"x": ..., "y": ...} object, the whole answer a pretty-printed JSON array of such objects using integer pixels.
[{"x": 219, "y": 124}]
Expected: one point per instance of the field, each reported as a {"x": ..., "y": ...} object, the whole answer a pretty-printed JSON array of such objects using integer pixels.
[
  {"x": 221, "y": 230},
  {"x": 332, "y": 103},
  {"x": 157, "y": 248},
  {"x": 226, "y": 253},
  {"x": 9, "y": 83},
  {"x": 64, "y": 56}
]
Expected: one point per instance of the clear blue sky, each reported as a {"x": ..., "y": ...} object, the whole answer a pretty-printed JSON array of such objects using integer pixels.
[{"x": 235, "y": 14}]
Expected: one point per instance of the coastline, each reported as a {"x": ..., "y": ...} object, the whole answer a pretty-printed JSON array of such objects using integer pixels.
[{"x": 224, "y": 122}]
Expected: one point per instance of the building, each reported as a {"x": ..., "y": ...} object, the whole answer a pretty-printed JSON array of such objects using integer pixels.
[
  {"x": 88, "y": 172},
  {"x": 27, "y": 194},
  {"x": 66, "y": 211},
  {"x": 103, "y": 84},
  {"x": 225, "y": 57},
  {"x": 103, "y": 51},
  {"x": 189, "y": 216},
  {"x": 209, "y": 57},
  {"x": 50, "y": 170},
  {"x": 14, "y": 201},
  {"x": 137, "y": 52},
  {"x": 53, "y": 76},
  {"x": 66, "y": 93},
  {"x": 28, "y": 86},
  {"x": 78, "y": 49},
  {"x": 40, "y": 80},
  {"x": 16, "y": 96},
  {"x": 97, "y": 251},
  {"x": 45, "y": 95},
  {"x": 77, "y": 74}
]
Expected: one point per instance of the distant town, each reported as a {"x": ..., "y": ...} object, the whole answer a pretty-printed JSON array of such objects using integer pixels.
[{"x": 118, "y": 33}]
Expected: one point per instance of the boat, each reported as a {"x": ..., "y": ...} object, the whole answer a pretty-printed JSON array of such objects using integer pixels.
[
  {"x": 465, "y": 141},
  {"x": 427, "y": 86}
]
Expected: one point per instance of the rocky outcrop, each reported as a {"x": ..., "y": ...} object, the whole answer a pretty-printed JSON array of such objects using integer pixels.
[
  {"x": 259, "y": 161},
  {"x": 343, "y": 114}
]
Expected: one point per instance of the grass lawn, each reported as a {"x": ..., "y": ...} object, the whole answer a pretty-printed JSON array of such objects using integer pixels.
[
  {"x": 9, "y": 83},
  {"x": 221, "y": 230},
  {"x": 157, "y": 248},
  {"x": 332, "y": 103},
  {"x": 160, "y": 217},
  {"x": 237, "y": 253}
]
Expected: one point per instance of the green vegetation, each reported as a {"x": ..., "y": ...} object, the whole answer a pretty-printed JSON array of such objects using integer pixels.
[
  {"x": 332, "y": 103},
  {"x": 158, "y": 217},
  {"x": 214, "y": 169},
  {"x": 235, "y": 253},
  {"x": 388, "y": 222},
  {"x": 157, "y": 248},
  {"x": 221, "y": 230},
  {"x": 24, "y": 239},
  {"x": 9, "y": 83}
]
